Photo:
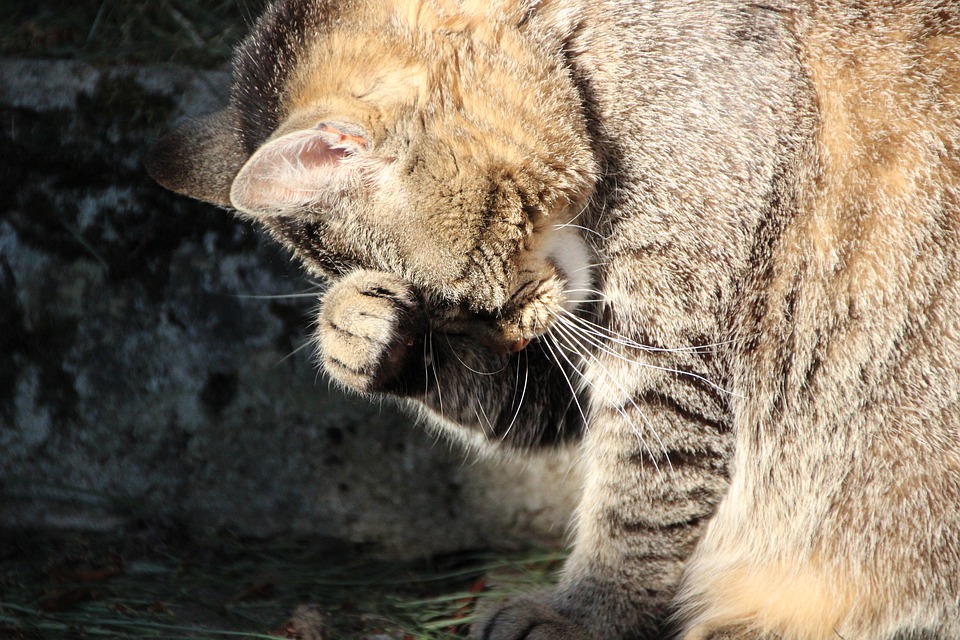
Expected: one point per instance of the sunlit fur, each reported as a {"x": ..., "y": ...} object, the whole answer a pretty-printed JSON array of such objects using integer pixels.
[{"x": 719, "y": 241}]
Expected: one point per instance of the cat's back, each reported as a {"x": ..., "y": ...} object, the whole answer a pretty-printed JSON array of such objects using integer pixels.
[
  {"x": 887, "y": 81},
  {"x": 855, "y": 103},
  {"x": 878, "y": 221}
]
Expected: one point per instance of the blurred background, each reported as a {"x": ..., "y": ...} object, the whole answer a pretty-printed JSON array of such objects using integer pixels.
[{"x": 157, "y": 386}]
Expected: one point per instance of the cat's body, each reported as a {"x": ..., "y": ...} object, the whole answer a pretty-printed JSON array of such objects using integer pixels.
[{"x": 768, "y": 195}]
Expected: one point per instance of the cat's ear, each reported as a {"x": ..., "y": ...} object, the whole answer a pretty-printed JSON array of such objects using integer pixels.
[
  {"x": 299, "y": 170},
  {"x": 200, "y": 158}
]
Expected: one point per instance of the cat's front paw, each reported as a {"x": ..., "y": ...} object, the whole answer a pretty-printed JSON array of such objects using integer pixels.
[
  {"x": 371, "y": 333},
  {"x": 527, "y": 619}
]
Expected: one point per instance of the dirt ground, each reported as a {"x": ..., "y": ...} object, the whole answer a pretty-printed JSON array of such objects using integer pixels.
[{"x": 163, "y": 583}]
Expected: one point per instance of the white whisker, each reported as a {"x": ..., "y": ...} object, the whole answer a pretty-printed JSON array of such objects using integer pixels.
[
  {"x": 597, "y": 340},
  {"x": 276, "y": 296},
  {"x": 587, "y": 267},
  {"x": 545, "y": 344},
  {"x": 484, "y": 422},
  {"x": 471, "y": 369},
  {"x": 306, "y": 343},
  {"x": 436, "y": 378},
  {"x": 579, "y": 213},
  {"x": 572, "y": 342},
  {"x": 619, "y": 338},
  {"x": 523, "y": 392},
  {"x": 581, "y": 227},
  {"x": 427, "y": 357}
]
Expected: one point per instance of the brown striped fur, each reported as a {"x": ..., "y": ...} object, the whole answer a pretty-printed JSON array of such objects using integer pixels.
[{"x": 719, "y": 240}]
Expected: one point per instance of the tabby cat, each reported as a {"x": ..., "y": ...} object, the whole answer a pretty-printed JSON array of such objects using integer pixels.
[{"x": 717, "y": 240}]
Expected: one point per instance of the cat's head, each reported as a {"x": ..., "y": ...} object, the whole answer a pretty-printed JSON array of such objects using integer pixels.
[{"x": 439, "y": 140}]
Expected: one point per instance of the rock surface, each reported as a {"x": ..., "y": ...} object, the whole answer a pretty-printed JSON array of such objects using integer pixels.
[{"x": 150, "y": 353}]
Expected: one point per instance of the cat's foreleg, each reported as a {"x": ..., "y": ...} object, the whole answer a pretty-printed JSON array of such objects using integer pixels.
[
  {"x": 657, "y": 465},
  {"x": 656, "y": 451}
]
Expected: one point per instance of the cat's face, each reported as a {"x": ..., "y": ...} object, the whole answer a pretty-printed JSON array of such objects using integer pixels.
[{"x": 421, "y": 140}]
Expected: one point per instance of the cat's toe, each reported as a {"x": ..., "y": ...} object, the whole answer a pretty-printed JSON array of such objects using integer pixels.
[{"x": 527, "y": 619}]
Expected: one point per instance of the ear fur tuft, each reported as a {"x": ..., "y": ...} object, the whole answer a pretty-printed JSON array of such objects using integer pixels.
[{"x": 200, "y": 158}]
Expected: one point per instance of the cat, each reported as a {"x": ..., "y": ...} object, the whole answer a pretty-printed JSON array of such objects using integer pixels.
[{"x": 716, "y": 243}]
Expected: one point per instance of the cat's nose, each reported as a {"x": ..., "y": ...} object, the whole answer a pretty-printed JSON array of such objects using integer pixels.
[{"x": 519, "y": 345}]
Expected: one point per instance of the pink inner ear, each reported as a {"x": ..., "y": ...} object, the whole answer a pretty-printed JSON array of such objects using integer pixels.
[
  {"x": 297, "y": 170},
  {"x": 329, "y": 147},
  {"x": 317, "y": 154},
  {"x": 345, "y": 139}
]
